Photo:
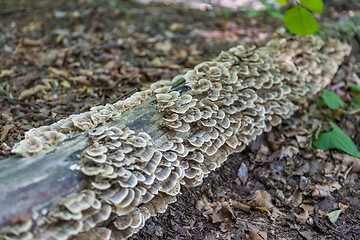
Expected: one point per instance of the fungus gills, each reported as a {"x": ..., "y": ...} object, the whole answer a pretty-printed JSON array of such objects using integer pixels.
[{"x": 231, "y": 100}]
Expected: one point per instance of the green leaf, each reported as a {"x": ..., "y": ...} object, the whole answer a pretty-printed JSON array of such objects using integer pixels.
[
  {"x": 3, "y": 87},
  {"x": 276, "y": 14},
  {"x": 313, "y": 5},
  {"x": 227, "y": 13},
  {"x": 332, "y": 100},
  {"x": 355, "y": 87},
  {"x": 300, "y": 21},
  {"x": 320, "y": 103},
  {"x": 282, "y": 2},
  {"x": 268, "y": 6},
  {"x": 336, "y": 139},
  {"x": 334, "y": 215},
  {"x": 252, "y": 14}
]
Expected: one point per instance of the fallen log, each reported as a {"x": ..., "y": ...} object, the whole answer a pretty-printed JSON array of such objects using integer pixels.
[{"x": 106, "y": 171}]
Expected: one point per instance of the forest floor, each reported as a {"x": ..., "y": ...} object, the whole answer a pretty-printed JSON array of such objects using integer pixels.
[{"x": 60, "y": 58}]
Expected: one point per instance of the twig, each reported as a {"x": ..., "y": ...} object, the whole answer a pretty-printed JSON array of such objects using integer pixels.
[
  {"x": 16, "y": 101},
  {"x": 10, "y": 12}
]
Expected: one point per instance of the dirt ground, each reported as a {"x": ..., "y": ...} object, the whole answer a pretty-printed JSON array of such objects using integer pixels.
[{"x": 60, "y": 58}]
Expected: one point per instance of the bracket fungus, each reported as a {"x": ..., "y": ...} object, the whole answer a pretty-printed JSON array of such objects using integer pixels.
[{"x": 218, "y": 108}]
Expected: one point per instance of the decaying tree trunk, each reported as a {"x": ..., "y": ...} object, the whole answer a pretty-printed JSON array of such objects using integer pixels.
[{"x": 108, "y": 170}]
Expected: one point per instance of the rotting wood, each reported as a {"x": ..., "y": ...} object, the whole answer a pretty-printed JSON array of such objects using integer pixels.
[{"x": 260, "y": 86}]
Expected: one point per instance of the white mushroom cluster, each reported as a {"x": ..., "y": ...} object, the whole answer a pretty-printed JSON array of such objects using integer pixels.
[
  {"x": 229, "y": 102},
  {"x": 129, "y": 173},
  {"x": 38, "y": 139},
  {"x": 243, "y": 93}
]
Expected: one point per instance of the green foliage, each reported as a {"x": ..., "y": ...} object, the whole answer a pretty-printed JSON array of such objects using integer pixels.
[
  {"x": 3, "y": 89},
  {"x": 355, "y": 87},
  {"x": 270, "y": 10},
  {"x": 332, "y": 100},
  {"x": 315, "y": 6},
  {"x": 252, "y": 13},
  {"x": 346, "y": 30},
  {"x": 355, "y": 90},
  {"x": 300, "y": 21},
  {"x": 277, "y": 14},
  {"x": 273, "y": 12},
  {"x": 119, "y": 6},
  {"x": 227, "y": 13},
  {"x": 336, "y": 139},
  {"x": 282, "y": 2}
]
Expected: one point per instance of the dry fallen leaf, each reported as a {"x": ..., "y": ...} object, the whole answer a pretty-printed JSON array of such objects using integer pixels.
[
  {"x": 289, "y": 151},
  {"x": 308, "y": 235},
  {"x": 297, "y": 198},
  {"x": 111, "y": 65},
  {"x": 218, "y": 212},
  {"x": 5, "y": 131},
  {"x": 65, "y": 84},
  {"x": 256, "y": 234},
  {"x": 308, "y": 208},
  {"x": 302, "y": 217},
  {"x": 242, "y": 207},
  {"x": 176, "y": 26},
  {"x": 57, "y": 72},
  {"x": 302, "y": 169},
  {"x": 350, "y": 161},
  {"x": 334, "y": 186},
  {"x": 328, "y": 167},
  {"x": 274, "y": 143},
  {"x": 334, "y": 215},
  {"x": 7, "y": 73},
  {"x": 165, "y": 46},
  {"x": 261, "y": 198},
  {"x": 31, "y": 43},
  {"x": 262, "y": 153},
  {"x": 32, "y": 91},
  {"x": 320, "y": 190},
  {"x": 343, "y": 207}
]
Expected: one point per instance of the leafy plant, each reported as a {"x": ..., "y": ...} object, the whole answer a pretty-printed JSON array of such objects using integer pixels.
[
  {"x": 226, "y": 13},
  {"x": 332, "y": 100},
  {"x": 3, "y": 87},
  {"x": 273, "y": 12},
  {"x": 355, "y": 87},
  {"x": 253, "y": 13},
  {"x": 120, "y": 7},
  {"x": 299, "y": 19},
  {"x": 336, "y": 139},
  {"x": 355, "y": 90}
]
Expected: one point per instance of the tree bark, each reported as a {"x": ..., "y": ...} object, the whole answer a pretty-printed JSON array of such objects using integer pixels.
[{"x": 36, "y": 182}]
